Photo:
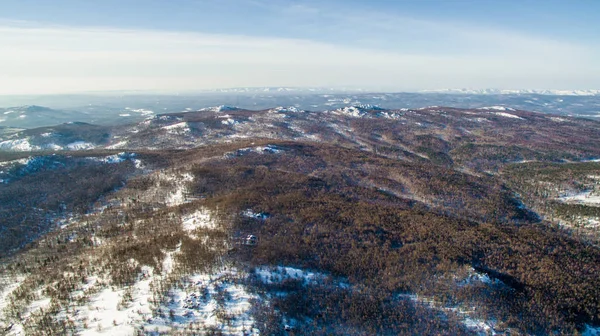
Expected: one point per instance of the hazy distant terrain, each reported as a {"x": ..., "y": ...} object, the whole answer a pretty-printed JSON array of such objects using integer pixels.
[{"x": 16, "y": 111}]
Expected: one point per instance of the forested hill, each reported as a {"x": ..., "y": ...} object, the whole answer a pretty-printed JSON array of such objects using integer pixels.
[{"x": 353, "y": 221}]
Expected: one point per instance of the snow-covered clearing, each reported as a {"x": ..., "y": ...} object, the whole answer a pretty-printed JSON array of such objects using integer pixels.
[
  {"x": 119, "y": 311},
  {"x": 214, "y": 301},
  {"x": 199, "y": 219},
  {"x": 179, "y": 195},
  {"x": 220, "y": 301},
  {"x": 278, "y": 274},
  {"x": 104, "y": 315},
  {"x": 177, "y": 128},
  {"x": 586, "y": 197},
  {"x": 7, "y": 286},
  {"x": 169, "y": 187},
  {"x": 40, "y": 302}
]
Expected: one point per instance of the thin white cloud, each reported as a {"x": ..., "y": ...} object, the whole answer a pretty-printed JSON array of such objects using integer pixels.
[
  {"x": 410, "y": 34},
  {"x": 53, "y": 59}
]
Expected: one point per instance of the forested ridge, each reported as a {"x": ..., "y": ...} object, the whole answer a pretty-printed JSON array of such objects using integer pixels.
[{"x": 423, "y": 231}]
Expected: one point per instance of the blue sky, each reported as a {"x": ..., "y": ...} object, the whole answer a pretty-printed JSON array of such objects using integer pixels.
[{"x": 186, "y": 45}]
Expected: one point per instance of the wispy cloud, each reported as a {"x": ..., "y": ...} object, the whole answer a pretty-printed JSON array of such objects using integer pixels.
[{"x": 370, "y": 50}]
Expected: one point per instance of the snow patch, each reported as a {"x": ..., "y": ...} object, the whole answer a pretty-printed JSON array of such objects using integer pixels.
[
  {"x": 216, "y": 301},
  {"x": 52, "y": 146},
  {"x": 179, "y": 195},
  {"x": 116, "y": 158},
  {"x": 117, "y": 145},
  {"x": 229, "y": 121},
  {"x": 120, "y": 311},
  {"x": 268, "y": 149},
  {"x": 256, "y": 215},
  {"x": 275, "y": 275},
  {"x": 103, "y": 315},
  {"x": 20, "y": 145},
  {"x": 80, "y": 145},
  {"x": 508, "y": 115},
  {"x": 178, "y": 128},
  {"x": 496, "y": 108},
  {"x": 351, "y": 111},
  {"x": 586, "y": 197},
  {"x": 479, "y": 326},
  {"x": 478, "y": 277},
  {"x": 9, "y": 285},
  {"x": 556, "y": 119},
  {"x": 200, "y": 219},
  {"x": 281, "y": 109},
  {"x": 391, "y": 115},
  {"x": 24, "y": 161}
]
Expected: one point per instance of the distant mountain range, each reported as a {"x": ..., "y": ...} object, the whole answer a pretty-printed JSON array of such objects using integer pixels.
[
  {"x": 280, "y": 90},
  {"x": 284, "y": 90},
  {"x": 126, "y": 109},
  {"x": 517, "y": 92}
]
